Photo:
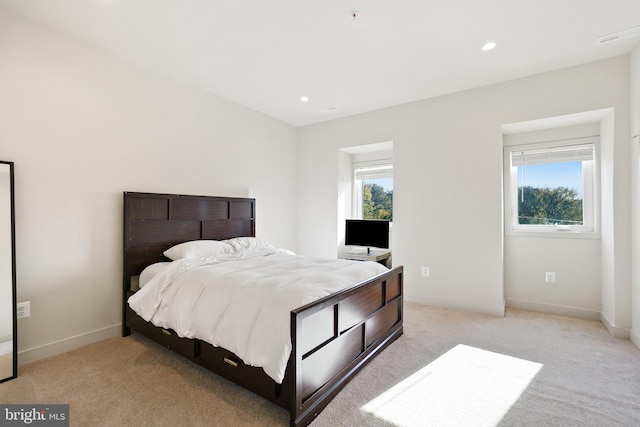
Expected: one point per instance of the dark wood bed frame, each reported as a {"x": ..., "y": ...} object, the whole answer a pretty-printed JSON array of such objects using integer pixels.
[{"x": 332, "y": 338}]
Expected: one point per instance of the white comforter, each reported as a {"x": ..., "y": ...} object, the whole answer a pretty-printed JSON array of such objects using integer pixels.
[{"x": 243, "y": 303}]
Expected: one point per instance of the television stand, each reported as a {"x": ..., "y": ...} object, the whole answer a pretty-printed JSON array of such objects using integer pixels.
[{"x": 378, "y": 255}]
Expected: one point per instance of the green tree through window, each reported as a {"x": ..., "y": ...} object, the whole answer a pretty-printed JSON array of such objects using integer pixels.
[
  {"x": 560, "y": 205},
  {"x": 377, "y": 203}
]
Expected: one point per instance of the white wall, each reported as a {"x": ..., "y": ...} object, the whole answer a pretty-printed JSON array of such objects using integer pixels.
[
  {"x": 448, "y": 180},
  {"x": 82, "y": 127},
  {"x": 616, "y": 220},
  {"x": 635, "y": 166}
]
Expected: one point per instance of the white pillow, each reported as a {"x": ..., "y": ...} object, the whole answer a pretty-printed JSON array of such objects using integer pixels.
[
  {"x": 244, "y": 244},
  {"x": 198, "y": 248},
  {"x": 150, "y": 271}
]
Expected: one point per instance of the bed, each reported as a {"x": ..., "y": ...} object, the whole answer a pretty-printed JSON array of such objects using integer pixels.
[{"x": 331, "y": 338}]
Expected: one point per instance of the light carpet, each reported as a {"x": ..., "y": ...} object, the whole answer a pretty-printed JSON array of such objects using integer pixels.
[{"x": 450, "y": 368}]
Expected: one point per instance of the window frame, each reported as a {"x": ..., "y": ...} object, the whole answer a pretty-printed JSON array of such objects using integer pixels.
[{"x": 590, "y": 189}]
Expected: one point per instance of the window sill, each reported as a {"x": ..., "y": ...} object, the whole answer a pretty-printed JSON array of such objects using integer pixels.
[{"x": 565, "y": 234}]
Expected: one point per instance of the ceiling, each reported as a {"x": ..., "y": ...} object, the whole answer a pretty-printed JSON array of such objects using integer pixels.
[{"x": 267, "y": 54}]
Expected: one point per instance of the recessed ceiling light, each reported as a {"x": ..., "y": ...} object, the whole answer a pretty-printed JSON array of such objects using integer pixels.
[
  {"x": 489, "y": 46},
  {"x": 304, "y": 99}
]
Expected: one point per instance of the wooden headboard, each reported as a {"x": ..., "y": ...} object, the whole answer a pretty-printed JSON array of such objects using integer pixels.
[{"x": 155, "y": 222}]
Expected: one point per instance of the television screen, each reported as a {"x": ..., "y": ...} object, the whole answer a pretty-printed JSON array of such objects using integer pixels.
[{"x": 367, "y": 232}]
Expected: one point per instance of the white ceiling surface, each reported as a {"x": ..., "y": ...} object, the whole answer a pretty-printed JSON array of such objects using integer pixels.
[{"x": 266, "y": 54}]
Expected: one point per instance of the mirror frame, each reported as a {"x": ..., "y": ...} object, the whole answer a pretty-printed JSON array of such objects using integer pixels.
[{"x": 13, "y": 273}]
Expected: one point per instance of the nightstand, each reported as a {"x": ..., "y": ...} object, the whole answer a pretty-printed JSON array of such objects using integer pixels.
[{"x": 378, "y": 255}]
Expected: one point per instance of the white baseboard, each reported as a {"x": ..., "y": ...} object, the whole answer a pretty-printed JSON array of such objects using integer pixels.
[
  {"x": 580, "y": 313},
  {"x": 561, "y": 310},
  {"x": 418, "y": 298},
  {"x": 68, "y": 344},
  {"x": 616, "y": 331}
]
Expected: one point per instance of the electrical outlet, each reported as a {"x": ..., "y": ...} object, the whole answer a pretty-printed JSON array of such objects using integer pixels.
[
  {"x": 425, "y": 271},
  {"x": 550, "y": 277},
  {"x": 24, "y": 309}
]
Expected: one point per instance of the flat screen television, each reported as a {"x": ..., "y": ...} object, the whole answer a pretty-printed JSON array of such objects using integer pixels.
[{"x": 367, "y": 232}]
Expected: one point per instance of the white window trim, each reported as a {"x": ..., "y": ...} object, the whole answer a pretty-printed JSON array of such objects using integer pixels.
[{"x": 591, "y": 185}]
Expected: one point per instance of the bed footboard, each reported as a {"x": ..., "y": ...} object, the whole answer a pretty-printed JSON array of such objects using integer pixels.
[{"x": 333, "y": 338}]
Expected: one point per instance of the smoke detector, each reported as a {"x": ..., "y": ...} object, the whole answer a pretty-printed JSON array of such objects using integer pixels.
[{"x": 327, "y": 109}]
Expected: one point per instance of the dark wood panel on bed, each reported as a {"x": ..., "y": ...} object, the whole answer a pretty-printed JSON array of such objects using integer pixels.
[
  {"x": 226, "y": 229},
  {"x": 230, "y": 366},
  {"x": 367, "y": 318},
  {"x": 199, "y": 210},
  {"x": 154, "y": 222},
  {"x": 332, "y": 338},
  {"x": 358, "y": 307},
  {"x": 145, "y": 233}
]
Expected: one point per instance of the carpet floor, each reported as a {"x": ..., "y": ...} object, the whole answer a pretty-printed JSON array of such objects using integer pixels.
[{"x": 450, "y": 368}]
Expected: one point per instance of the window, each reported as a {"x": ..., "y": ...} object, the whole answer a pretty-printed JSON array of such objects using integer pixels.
[
  {"x": 552, "y": 186},
  {"x": 373, "y": 191}
]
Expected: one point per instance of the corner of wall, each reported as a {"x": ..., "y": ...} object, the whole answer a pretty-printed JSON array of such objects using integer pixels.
[
  {"x": 616, "y": 331},
  {"x": 635, "y": 338}
]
